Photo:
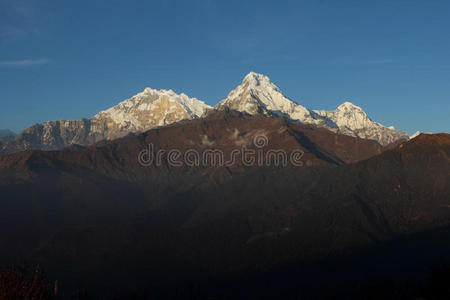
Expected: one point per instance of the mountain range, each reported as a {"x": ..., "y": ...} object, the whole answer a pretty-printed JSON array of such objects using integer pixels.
[
  {"x": 157, "y": 196},
  {"x": 97, "y": 214},
  {"x": 256, "y": 95}
]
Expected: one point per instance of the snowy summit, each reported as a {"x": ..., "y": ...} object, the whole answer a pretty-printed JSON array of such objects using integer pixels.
[{"x": 257, "y": 94}]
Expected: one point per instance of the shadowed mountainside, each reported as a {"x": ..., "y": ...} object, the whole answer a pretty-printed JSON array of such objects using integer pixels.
[{"x": 93, "y": 212}]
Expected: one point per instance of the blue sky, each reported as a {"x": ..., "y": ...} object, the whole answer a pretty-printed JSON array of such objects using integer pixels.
[{"x": 71, "y": 59}]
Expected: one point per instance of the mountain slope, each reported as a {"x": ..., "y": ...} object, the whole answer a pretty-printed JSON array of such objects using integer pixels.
[
  {"x": 7, "y": 135},
  {"x": 258, "y": 95},
  {"x": 97, "y": 210},
  {"x": 353, "y": 121},
  {"x": 148, "y": 109},
  {"x": 220, "y": 130}
]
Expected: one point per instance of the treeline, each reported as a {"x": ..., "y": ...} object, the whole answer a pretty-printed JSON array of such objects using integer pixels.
[{"x": 25, "y": 283}]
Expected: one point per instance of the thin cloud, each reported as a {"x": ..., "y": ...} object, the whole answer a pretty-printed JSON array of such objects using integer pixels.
[
  {"x": 18, "y": 19},
  {"x": 23, "y": 63},
  {"x": 365, "y": 61}
]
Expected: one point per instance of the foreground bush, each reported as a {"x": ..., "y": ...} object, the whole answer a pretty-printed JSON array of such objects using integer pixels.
[{"x": 25, "y": 284}]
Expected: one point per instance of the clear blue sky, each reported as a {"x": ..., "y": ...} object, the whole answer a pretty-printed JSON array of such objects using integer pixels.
[{"x": 71, "y": 59}]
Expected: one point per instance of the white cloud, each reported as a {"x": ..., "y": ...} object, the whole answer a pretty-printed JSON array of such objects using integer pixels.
[{"x": 23, "y": 63}]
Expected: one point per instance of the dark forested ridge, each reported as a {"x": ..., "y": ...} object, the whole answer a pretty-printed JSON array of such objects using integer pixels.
[{"x": 98, "y": 216}]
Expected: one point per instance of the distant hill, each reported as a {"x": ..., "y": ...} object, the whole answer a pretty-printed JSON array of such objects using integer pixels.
[{"x": 7, "y": 135}]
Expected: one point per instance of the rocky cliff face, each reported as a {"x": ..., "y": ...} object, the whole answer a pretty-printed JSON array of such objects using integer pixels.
[
  {"x": 55, "y": 134},
  {"x": 148, "y": 109},
  {"x": 256, "y": 95}
]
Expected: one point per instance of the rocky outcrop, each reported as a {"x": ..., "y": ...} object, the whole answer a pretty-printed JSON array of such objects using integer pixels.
[{"x": 146, "y": 110}]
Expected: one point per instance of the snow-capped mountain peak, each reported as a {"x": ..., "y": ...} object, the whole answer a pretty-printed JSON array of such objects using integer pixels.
[
  {"x": 347, "y": 115},
  {"x": 353, "y": 120},
  {"x": 255, "y": 79},
  {"x": 349, "y": 106},
  {"x": 147, "y": 99},
  {"x": 147, "y": 109},
  {"x": 257, "y": 94}
]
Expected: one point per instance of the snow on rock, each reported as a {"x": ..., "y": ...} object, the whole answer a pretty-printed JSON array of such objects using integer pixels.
[
  {"x": 352, "y": 120},
  {"x": 257, "y": 94},
  {"x": 347, "y": 115},
  {"x": 148, "y": 109},
  {"x": 417, "y": 133}
]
